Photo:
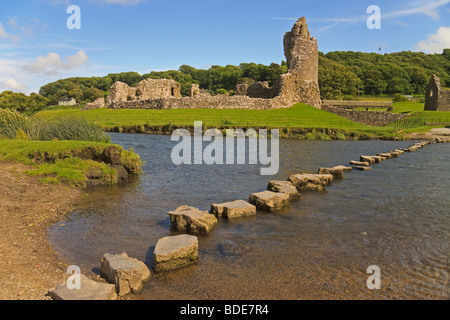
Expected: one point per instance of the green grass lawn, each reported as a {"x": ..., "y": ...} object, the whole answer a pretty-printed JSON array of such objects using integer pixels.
[
  {"x": 408, "y": 107},
  {"x": 298, "y": 116}
]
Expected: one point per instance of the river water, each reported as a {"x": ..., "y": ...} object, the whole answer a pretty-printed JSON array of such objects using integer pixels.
[{"x": 396, "y": 216}]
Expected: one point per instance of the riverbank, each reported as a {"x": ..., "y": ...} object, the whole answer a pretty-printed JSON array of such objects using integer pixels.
[
  {"x": 75, "y": 163},
  {"x": 29, "y": 266}
]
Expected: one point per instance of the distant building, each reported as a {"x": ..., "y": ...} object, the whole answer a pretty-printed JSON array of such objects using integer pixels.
[
  {"x": 436, "y": 97},
  {"x": 409, "y": 97},
  {"x": 67, "y": 102}
]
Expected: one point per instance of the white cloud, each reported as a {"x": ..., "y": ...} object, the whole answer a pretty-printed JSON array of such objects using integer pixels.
[
  {"x": 53, "y": 64},
  {"x": 420, "y": 7},
  {"x": 437, "y": 42},
  {"x": 423, "y": 7},
  {"x": 12, "y": 85}
]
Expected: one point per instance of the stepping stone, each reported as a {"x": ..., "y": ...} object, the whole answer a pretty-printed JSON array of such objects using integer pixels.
[
  {"x": 128, "y": 274},
  {"x": 175, "y": 252},
  {"x": 360, "y": 163},
  {"x": 362, "y": 168},
  {"x": 235, "y": 209},
  {"x": 337, "y": 173},
  {"x": 386, "y": 155},
  {"x": 89, "y": 290},
  {"x": 372, "y": 159},
  {"x": 369, "y": 159},
  {"x": 192, "y": 220},
  {"x": 270, "y": 201},
  {"x": 284, "y": 187},
  {"x": 346, "y": 169},
  {"x": 314, "y": 182}
]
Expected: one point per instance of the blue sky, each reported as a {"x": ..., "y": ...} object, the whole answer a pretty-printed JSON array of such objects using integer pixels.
[{"x": 36, "y": 47}]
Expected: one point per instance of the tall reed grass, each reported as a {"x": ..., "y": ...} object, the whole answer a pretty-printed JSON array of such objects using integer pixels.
[{"x": 14, "y": 125}]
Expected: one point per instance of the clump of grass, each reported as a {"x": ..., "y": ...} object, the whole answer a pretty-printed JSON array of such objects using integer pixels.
[
  {"x": 131, "y": 161},
  {"x": 70, "y": 128},
  {"x": 14, "y": 125},
  {"x": 72, "y": 171}
]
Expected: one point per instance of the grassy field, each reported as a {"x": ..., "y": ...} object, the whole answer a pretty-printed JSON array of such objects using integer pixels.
[
  {"x": 297, "y": 116},
  {"x": 67, "y": 162}
]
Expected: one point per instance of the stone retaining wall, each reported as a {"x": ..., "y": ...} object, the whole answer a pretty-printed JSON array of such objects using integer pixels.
[
  {"x": 371, "y": 118},
  {"x": 206, "y": 102}
]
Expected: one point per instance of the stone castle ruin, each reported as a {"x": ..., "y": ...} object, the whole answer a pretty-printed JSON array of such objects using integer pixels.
[
  {"x": 437, "y": 98},
  {"x": 299, "y": 85}
]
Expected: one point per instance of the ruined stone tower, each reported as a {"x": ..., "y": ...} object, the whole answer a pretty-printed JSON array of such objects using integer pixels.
[
  {"x": 436, "y": 98},
  {"x": 302, "y": 56},
  {"x": 301, "y": 83}
]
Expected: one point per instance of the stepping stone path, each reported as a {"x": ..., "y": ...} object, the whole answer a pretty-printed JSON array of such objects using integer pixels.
[
  {"x": 175, "y": 252},
  {"x": 192, "y": 220},
  {"x": 89, "y": 290},
  {"x": 314, "y": 182},
  {"x": 235, "y": 209},
  {"x": 128, "y": 274},
  {"x": 284, "y": 187},
  {"x": 270, "y": 201},
  {"x": 336, "y": 172}
]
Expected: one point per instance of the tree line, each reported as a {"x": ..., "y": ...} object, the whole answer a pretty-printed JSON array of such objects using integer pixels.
[{"x": 342, "y": 75}]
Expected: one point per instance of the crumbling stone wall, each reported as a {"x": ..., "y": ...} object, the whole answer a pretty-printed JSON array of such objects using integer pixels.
[
  {"x": 260, "y": 89},
  {"x": 241, "y": 89},
  {"x": 437, "y": 98},
  {"x": 370, "y": 118},
  {"x": 157, "y": 88},
  {"x": 121, "y": 92},
  {"x": 195, "y": 90}
]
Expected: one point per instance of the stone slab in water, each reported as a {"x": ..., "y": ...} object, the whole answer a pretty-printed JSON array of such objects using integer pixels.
[
  {"x": 336, "y": 172},
  {"x": 284, "y": 187},
  {"x": 270, "y": 201},
  {"x": 193, "y": 220},
  {"x": 128, "y": 274},
  {"x": 175, "y": 252},
  {"x": 360, "y": 163},
  {"x": 234, "y": 209},
  {"x": 369, "y": 159},
  {"x": 313, "y": 182},
  {"x": 89, "y": 290},
  {"x": 346, "y": 169},
  {"x": 363, "y": 168}
]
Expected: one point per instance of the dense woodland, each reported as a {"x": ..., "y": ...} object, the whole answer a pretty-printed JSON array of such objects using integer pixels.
[{"x": 342, "y": 75}]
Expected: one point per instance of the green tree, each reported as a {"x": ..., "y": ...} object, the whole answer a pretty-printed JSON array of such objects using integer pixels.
[{"x": 93, "y": 94}]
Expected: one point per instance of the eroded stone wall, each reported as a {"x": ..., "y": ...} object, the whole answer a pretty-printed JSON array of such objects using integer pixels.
[
  {"x": 436, "y": 98},
  {"x": 371, "y": 118}
]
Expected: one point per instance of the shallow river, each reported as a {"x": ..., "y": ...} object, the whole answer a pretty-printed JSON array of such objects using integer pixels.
[{"x": 396, "y": 216}]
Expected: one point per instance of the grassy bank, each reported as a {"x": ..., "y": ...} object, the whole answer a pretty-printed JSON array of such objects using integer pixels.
[{"x": 76, "y": 163}]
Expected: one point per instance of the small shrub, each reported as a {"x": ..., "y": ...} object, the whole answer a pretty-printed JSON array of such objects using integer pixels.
[{"x": 398, "y": 97}]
